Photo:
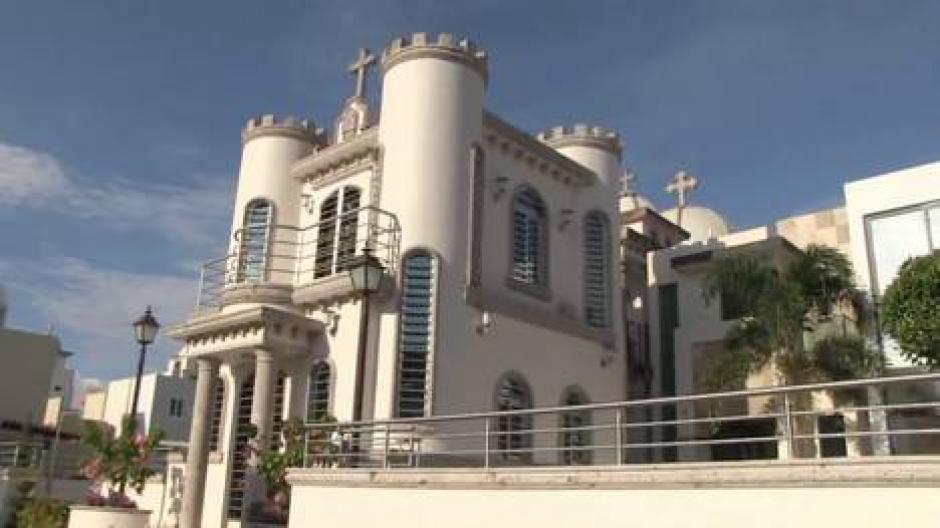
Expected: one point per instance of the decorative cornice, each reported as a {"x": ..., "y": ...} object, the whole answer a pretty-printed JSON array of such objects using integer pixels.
[
  {"x": 525, "y": 148},
  {"x": 418, "y": 46},
  {"x": 270, "y": 125},
  {"x": 338, "y": 157},
  {"x": 258, "y": 316}
]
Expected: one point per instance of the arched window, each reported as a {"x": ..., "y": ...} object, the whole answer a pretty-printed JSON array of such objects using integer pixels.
[
  {"x": 254, "y": 240},
  {"x": 416, "y": 334},
  {"x": 529, "y": 237},
  {"x": 215, "y": 420},
  {"x": 336, "y": 231},
  {"x": 513, "y": 440},
  {"x": 575, "y": 432},
  {"x": 596, "y": 270},
  {"x": 318, "y": 392}
]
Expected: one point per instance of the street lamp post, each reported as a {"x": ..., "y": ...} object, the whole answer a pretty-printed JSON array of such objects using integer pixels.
[
  {"x": 145, "y": 331},
  {"x": 365, "y": 273}
]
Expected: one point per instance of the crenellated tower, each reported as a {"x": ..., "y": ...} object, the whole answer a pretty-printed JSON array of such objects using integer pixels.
[
  {"x": 595, "y": 147},
  {"x": 431, "y": 115},
  {"x": 267, "y": 204}
]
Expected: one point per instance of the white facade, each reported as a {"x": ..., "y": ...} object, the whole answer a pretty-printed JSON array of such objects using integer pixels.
[
  {"x": 500, "y": 255},
  {"x": 165, "y": 403},
  {"x": 891, "y": 218}
]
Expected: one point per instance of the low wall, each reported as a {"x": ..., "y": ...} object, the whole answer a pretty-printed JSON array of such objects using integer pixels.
[{"x": 774, "y": 494}]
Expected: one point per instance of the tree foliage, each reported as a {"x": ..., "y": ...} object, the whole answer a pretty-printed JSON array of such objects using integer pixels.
[
  {"x": 911, "y": 310},
  {"x": 777, "y": 308}
]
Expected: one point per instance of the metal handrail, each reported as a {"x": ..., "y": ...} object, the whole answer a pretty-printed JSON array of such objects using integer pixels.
[
  {"x": 290, "y": 254},
  {"x": 459, "y": 439}
]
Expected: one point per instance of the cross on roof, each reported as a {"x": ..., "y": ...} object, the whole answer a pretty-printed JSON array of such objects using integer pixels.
[
  {"x": 627, "y": 180},
  {"x": 359, "y": 68},
  {"x": 681, "y": 185}
]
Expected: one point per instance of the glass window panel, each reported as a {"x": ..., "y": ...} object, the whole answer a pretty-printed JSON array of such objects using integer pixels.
[
  {"x": 933, "y": 217},
  {"x": 894, "y": 239}
]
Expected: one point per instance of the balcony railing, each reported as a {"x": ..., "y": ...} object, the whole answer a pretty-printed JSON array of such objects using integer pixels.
[
  {"x": 294, "y": 256},
  {"x": 768, "y": 423},
  {"x": 20, "y": 455}
]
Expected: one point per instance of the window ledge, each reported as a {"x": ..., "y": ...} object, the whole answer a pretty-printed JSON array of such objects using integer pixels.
[{"x": 539, "y": 291}]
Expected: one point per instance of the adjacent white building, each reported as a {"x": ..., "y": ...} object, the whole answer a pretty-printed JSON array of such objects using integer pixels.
[{"x": 165, "y": 404}]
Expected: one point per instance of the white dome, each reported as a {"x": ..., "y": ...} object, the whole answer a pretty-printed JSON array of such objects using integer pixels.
[
  {"x": 631, "y": 201},
  {"x": 702, "y": 223}
]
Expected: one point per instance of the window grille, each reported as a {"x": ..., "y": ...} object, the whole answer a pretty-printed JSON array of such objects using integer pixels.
[
  {"x": 215, "y": 420},
  {"x": 240, "y": 451},
  {"x": 596, "y": 270},
  {"x": 575, "y": 434},
  {"x": 332, "y": 250},
  {"x": 318, "y": 392},
  {"x": 528, "y": 237},
  {"x": 254, "y": 240},
  {"x": 415, "y": 335},
  {"x": 277, "y": 420},
  {"x": 512, "y": 437}
]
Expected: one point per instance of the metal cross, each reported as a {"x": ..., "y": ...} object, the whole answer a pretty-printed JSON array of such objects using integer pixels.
[
  {"x": 627, "y": 180},
  {"x": 681, "y": 185},
  {"x": 359, "y": 67}
]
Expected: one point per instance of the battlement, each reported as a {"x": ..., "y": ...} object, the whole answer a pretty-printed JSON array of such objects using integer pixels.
[
  {"x": 445, "y": 46},
  {"x": 269, "y": 124},
  {"x": 583, "y": 135}
]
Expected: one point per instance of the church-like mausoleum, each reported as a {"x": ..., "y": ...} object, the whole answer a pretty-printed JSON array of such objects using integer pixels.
[{"x": 499, "y": 261}]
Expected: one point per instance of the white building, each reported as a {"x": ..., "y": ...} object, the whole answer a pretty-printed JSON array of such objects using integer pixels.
[
  {"x": 886, "y": 219},
  {"x": 500, "y": 254},
  {"x": 165, "y": 404}
]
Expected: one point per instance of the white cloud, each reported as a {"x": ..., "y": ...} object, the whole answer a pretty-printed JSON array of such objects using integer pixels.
[
  {"x": 29, "y": 177},
  {"x": 97, "y": 305},
  {"x": 192, "y": 214}
]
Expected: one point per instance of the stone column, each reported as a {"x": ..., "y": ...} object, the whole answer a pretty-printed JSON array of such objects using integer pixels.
[
  {"x": 197, "y": 457},
  {"x": 261, "y": 409},
  {"x": 263, "y": 397}
]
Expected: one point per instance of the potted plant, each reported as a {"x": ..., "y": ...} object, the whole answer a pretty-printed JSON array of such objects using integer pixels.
[
  {"x": 115, "y": 465},
  {"x": 272, "y": 468}
]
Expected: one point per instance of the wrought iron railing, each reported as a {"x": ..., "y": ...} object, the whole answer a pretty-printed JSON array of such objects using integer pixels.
[
  {"x": 767, "y": 423},
  {"x": 301, "y": 256}
]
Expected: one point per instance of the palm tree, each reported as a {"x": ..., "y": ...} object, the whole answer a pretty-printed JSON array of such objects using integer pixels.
[
  {"x": 780, "y": 310},
  {"x": 783, "y": 322}
]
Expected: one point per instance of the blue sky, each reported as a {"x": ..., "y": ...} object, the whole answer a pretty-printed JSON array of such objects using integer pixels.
[{"x": 119, "y": 121}]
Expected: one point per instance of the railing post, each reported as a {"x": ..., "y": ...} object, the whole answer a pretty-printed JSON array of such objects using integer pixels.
[
  {"x": 411, "y": 446},
  {"x": 16, "y": 455},
  {"x": 306, "y": 447},
  {"x": 618, "y": 434},
  {"x": 486, "y": 442},
  {"x": 388, "y": 433},
  {"x": 788, "y": 424}
]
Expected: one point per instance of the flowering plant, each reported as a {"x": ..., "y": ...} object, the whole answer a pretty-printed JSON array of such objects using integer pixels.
[{"x": 117, "y": 463}]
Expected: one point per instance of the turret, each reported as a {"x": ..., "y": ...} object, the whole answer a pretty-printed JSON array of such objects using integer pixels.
[
  {"x": 267, "y": 197},
  {"x": 597, "y": 148},
  {"x": 431, "y": 115}
]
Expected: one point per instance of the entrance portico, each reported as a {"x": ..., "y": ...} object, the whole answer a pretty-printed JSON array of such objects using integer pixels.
[{"x": 254, "y": 345}]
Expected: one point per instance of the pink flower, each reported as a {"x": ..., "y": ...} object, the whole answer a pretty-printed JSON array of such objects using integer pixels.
[{"x": 92, "y": 469}]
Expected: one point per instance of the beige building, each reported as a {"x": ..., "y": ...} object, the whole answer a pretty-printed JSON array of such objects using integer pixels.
[{"x": 27, "y": 363}]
